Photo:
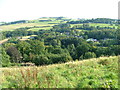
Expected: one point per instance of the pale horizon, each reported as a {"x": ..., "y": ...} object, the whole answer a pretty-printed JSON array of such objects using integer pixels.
[{"x": 13, "y": 10}]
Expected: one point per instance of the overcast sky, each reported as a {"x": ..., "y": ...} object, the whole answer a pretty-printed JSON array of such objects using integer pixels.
[{"x": 11, "y": 10}]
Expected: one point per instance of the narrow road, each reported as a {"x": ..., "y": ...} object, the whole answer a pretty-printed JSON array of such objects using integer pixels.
[{"x": 3, "y": 41}]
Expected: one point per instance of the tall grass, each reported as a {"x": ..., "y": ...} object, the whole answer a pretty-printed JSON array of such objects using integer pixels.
[{"x": 92, "y": 73}]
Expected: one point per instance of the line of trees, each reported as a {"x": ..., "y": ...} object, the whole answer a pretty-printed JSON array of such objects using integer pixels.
[
  {"x": 97, "y": 20},
  {"x": 57, "y": 51}
]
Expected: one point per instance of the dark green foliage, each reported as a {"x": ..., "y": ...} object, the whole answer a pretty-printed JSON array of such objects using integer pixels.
[
  {"x": 101, "y": 34},
  {"x": 24, "y": 47},
  {"x": 89, "y": 55},
  {"x": 97, "y": 20},
  {"x": 59, "y": 58},
  {"x": 15, "y": 22},
  {"x": 14, "y": 54},
  {"x": 108, "y": 42},
  {"x": 4, "y": 58},
  {"x": 101, "y": 51},
  {"x": 62, "y": 28},
  {"x": 41, "y": 60},
  {"x": 115, "y": 49},
  {"x": 37, "y": 47},
  {"x": 50, "y": 59},
  {"x": 82, "y": 49},
  {"x": 69, "y": 41},
  {"x": 118, "y": 34},
  {"x": 13, "y": 40},
  {"x": 72, "y": 50},
  {"x": 55, "y": 43},
  {"x": 64, "y": 41},
  {"x": 57, "y": 51}
]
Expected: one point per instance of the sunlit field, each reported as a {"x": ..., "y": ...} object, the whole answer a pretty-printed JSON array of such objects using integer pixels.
[
  {"x": 42, "y": 28},
  {"x": 92, "y": 73},
  {"x": 15, "y": 26}
]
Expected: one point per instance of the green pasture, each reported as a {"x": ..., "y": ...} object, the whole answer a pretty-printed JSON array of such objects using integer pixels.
[{"x": 42, "y": 28}]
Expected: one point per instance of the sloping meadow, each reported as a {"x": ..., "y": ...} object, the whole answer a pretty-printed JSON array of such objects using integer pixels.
[{"x": 92, "y": 73}]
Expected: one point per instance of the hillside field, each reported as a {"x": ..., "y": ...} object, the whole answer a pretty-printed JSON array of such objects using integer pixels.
[
  {"x": 91, "y": 73},
  {"x": 33, "y": 23},
  {"x": 15, "y": 26}
]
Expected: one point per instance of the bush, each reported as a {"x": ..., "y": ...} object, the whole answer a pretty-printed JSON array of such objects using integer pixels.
[
  {"x": 5, "y": 58},
  {"x": 41, "y": 60},
  {"x": 57, "y": 58},
  {"x": 89, "y": 55}
]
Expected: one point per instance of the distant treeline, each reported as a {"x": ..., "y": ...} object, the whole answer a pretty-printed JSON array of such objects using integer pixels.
[
  {"x": 15, "y": 22},
  {"x": 97, "y": 20}
]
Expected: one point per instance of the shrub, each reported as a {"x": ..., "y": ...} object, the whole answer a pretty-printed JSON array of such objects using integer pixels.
[
  {"x": 89, "y": 55},
  {"x": 41, "y": 60},
  {"x": 5, "y": 58},
  {"x": 56, "y": 58}
]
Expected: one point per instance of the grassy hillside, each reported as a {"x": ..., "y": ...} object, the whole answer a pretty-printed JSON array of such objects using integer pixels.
[{"x": 92, "y": 73}]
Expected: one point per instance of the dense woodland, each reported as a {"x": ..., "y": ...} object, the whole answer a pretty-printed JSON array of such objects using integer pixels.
[{"x": 62, "y": 43}]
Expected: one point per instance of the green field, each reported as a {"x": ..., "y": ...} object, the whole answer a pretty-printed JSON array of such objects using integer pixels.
[
  {"x": 36, "y": 29},
  {"x": 15, "y": 26},
  {"x": 75, "y": 25},
  {"x": 49, "y": 24},
  {"x": 92, "y": 73}
]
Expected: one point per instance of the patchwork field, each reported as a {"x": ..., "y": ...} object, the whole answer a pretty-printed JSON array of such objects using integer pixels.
[
  {"x": 49, "y": 25},
  {"x": 15, "y": 26}
]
